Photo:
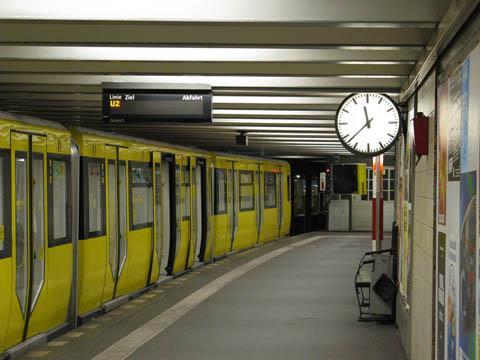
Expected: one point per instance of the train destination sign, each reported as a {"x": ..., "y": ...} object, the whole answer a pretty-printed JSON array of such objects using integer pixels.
[{"x": 126, "y": 103}]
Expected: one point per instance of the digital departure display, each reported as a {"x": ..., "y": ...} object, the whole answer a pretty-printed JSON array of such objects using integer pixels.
[{"x": 145, "y": 105}]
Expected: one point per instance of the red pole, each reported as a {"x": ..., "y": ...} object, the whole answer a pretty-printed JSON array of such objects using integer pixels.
[
  {"x": 380, "y": 203},
  {"x": 377, "y": 202},
  {"x": 374, "y": 202}
]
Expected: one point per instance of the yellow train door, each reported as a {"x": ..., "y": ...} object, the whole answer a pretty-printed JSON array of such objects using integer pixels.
[
  {"x": 6, "y": 272},
  {"x": 287, "y": 210},
  {"x": 232, "y": 198},
  {"x": 281, "y": 205},
  {"x": 210, "y": 200},
  {"x": 196, "y": 233},
  {"x": 221, "y": 241},
  {"x": 200, "y": 210},
  {"x": 157, "y": 256},
  {"x": 27, "y": 311},
  {"x": 168, "y": 216},
  {"x": 116, "y": 219},
  {"x": 246, "y": 231},
  {"x": 183, "y": 204},
  {"x": 191, "y": 197},
  {"x": 260, "y": 194}
]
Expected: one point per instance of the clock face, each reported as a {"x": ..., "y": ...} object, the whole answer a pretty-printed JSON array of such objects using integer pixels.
[{"x": 368, "y": 123}]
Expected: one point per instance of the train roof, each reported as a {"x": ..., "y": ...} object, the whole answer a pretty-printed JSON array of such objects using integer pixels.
[
  {"x": 91, "y": 131},
  {"x": 32, "y": 120},
  {"x": 83, "y": 130}
]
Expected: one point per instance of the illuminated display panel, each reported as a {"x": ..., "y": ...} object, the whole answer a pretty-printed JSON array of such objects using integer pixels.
[{"x": 123, "y": 106}]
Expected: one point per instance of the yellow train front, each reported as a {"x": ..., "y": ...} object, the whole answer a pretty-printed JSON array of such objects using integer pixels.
[{"x": 106, "y": 216}]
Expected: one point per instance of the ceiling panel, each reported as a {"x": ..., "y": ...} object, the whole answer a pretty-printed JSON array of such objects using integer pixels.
[
  {"x": 234, "y": 10},
  {"x": 278, "y": 73}
]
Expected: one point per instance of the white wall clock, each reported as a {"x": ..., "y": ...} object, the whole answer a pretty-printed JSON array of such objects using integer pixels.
[{"x": 367, "y": 123}]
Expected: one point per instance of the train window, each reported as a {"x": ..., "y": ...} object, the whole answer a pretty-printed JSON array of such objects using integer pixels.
[
  {"x": 186, "y": 193},
  {"x": 246, "y": 191},
  {"x": 270, "y": 189},
  {"x": 141, "y": 197},
  {"x": 21, "y": 225},
  {"x": 220, "y": 205},
  {"x": 96, "y": 182},
  {"x": 5, "y": 239},
  {"x": 92, "y": 197},
  {"x": 58, "y": 209}
]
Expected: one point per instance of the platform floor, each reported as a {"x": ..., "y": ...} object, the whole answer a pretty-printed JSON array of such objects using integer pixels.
[{"x": 292, "y": 299}]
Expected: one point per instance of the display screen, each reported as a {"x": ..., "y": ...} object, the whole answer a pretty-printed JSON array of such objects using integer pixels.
[{"x": 123, "y": 106}]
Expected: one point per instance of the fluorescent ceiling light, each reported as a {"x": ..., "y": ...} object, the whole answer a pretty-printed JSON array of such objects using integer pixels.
[
  {"x": 326, "y": 132},
  {"x": 279, "y": 139},
  {"x": 205, "y": 54},
  {"x": 317, "y": 15},
  {"x": 273, "y": 121},
  {"x": 301, "y": 100},
  {"x": 319, "y": 145},
  {"x": 342, "y": 81},
  {"x": 317, "y": 142},
  {"x": 274, "y": 112}
]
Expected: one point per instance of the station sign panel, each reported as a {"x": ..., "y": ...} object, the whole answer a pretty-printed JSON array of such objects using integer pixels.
[{"x": 124, "y": 103}]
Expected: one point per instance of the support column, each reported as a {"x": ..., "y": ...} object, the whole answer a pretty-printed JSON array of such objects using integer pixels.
[{"x": 377, "y": 203}]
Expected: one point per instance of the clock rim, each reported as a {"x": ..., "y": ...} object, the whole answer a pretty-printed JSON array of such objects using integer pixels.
[{"x": 376, "y": 153}]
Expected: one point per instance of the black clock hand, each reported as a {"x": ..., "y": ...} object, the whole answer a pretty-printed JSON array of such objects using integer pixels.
[
  {"x": 358, "y": 132},
  {"x": 366, "y": 117}
]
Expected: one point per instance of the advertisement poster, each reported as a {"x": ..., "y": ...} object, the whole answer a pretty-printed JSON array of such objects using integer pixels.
[
  {"x": 465, "y": 78},
  {"x": 453, "y": 213},
  {"x": 468, "y": 232},
  {"x": 451, "y": 311},
  {"x": 441, "y": 296},
  {"x": 442, "y": 151},
  {"x": 405, "y": 246},
  {"x": 399, "y": 204},
  {"x": 455, "y": 107},
  {"x": 458, "y": 217}
]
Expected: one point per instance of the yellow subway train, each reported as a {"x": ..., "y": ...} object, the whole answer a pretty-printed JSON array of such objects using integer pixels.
[{"x": 87, "y": 219}]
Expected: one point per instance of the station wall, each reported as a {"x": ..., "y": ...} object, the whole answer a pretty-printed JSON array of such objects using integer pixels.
[{"x": 438, "y": 307}]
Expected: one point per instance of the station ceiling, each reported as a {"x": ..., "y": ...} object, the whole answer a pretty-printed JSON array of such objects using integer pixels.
[{"x": 278, "y": 68}]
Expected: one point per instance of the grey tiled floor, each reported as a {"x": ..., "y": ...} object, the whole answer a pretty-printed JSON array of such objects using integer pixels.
[{"x": 299, "y": 305}]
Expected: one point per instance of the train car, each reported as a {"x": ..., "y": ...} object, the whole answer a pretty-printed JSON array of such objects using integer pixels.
[
  {"x": 36, "y": 252},
  {"x": 105, "y": 216},
  {"x": 142, "y": 214},
  {"x": 251, "y": 202}
]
